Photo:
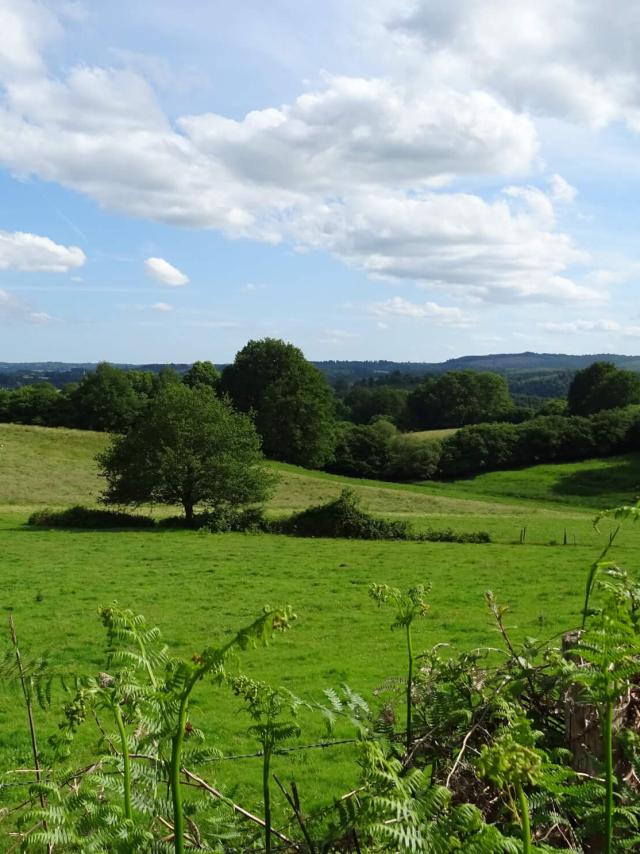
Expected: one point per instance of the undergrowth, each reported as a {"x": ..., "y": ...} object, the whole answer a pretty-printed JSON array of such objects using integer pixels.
[{"x": 465, "y": 752}]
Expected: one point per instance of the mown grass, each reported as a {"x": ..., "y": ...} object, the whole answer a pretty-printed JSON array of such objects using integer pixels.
[
  {"x": 590, "y": 484},
  {"x": 430, "y": 435},
  {"x": 198, "y": 586}
]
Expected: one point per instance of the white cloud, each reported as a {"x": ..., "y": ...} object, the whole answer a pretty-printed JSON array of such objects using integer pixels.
[
  {"x": 25, "y": 26},
  {"x": 440, "y": 314},
  {"x": 162, "y": 306},
  {"x": 573, "y": 59},
  {"x": 23, "y": 251},
  {"x": 15, "y": 310},
  {"x": 165, "y": 273},
  {"x": 501, "y": 251},
  {"x": 351, "y": 167},
  {"x": 254, "y": 286},
  {"x": 561, "y": 190},
  {"x": 579, "y": 327}
]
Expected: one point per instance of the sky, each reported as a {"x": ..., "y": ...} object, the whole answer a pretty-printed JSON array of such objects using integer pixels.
[{"x": 368, "y": 179}]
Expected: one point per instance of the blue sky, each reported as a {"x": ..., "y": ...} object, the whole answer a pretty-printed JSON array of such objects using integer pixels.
[{"x": 396, "y": 179}]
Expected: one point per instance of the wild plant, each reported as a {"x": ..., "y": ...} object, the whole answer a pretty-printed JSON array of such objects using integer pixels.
[
  {"x": 409, "y": 607},
  {"x": 267, "y": 706},
  {"x": 140, "y": 708},
  {"x": 609, "y": 653}
]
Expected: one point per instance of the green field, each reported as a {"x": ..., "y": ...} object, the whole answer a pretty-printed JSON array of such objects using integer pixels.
[
  {"x": 196, "y": 586},
  {"x": 429, "y": 435}
]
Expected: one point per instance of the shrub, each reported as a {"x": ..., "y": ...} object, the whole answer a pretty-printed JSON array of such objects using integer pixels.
[
  {"x": 221, "y": 520},
  {"x": 88, "y": 517},
  {"x": 363, "y": 450},
  {"x": 448, "y": 535},
  {"x": 342, "y": 518},
  {"x": 413, "y": 460}
]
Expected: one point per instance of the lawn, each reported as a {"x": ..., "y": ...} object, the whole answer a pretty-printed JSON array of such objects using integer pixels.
[{"x": 198, "y": 586}]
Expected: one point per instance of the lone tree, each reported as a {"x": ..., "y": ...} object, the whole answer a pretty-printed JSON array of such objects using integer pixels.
[
  {"x": 291, "y": 401},
  {"x": 187, "y": 448}
]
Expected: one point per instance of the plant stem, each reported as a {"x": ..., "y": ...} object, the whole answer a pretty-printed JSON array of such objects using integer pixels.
[
  {"x": 266, "y": 794},
  {"x": 409, "y": 688},
  {"x": 174, "y": 773},
  {"x": 524, "y": 817},
  {"x": 593, "y": 572},
  {"x": 126, "y": 761},
  {"x": 32, "y": 726},
  {"x": 609, "y": 777}
]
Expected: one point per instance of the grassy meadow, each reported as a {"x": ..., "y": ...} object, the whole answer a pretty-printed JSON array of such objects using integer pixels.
[{"x": 197, "y": 586}]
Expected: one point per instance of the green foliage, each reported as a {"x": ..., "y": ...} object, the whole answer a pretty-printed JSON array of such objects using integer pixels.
[
  {"x": 189, "y": 448},
  {"x": 343, "y": 518},
  {"x": 364, "y": 403},
  {"x": 458, "y": 398},
  {"x": 448, "y": 535},
  {"x": 88, "y": 517},
  {"x": 222, "y": 520},
  {"x": 290, "y": 399},
  {"x": 602, "y": 386},
  {"x": 105, "y": 399},
  {"x": 202, "y": 373}
]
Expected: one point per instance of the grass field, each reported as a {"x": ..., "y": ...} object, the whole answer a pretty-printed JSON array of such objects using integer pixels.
[
  {"x": 429, "y": 435},
  {"x": 197, "y": 586}
]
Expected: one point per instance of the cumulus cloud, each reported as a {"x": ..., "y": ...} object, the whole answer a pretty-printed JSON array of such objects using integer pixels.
[
  {"x": 578, "y": 327},
  {"x": 165, "y": 273},
  {"x": 566, "y": 58},
  {"x": 440, "y": 314},
  {"x": 352, "y": 167},
  {"x": 162, "y": 306},
  {"x": 13, "y": 309},
  {"x": 500, "y": 251},
  {"x": 20, "y": 250}
]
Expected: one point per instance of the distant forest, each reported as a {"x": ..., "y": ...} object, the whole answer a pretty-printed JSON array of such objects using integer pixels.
[{"x": 529, "y": 375}]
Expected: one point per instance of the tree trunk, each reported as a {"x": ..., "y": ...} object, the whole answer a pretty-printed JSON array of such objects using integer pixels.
[{"x": 188, "y": 511}]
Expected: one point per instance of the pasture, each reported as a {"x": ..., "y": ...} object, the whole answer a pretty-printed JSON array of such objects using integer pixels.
[{"x": 198, "y": 586}]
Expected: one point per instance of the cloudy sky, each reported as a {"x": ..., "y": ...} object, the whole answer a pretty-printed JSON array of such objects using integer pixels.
[{"x": 402, "y": 179}]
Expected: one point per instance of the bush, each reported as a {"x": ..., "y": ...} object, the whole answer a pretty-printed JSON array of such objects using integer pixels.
[
  {"x": 413, "y": 460},
  {"x": 87, "y": 517},
  {"x": 221, "y": 521},
  {"x": 342, "y": 518},
  {"x": 363, "y": 450},
  {"x": 450, "y": 536}
]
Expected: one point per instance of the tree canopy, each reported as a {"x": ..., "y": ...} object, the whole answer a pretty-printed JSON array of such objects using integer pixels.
[
  {"x": 602, "y": 386},
  {"x": 458, "y": 398},
  {"x": 291, "y": 401},
  {"x": 187, "y": 448}
]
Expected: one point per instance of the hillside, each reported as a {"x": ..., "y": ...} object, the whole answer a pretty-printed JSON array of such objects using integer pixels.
[{"x": 55, "y": 466}]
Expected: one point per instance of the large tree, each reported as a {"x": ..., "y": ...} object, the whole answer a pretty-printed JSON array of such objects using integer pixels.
[
  {"x": 458, "y": 398},
  {"x": 290, "y": 399},
  {"x": 105, "y": 399},
  {"x": 187, "y": 448},
  {"x": 602, "y": 386}
]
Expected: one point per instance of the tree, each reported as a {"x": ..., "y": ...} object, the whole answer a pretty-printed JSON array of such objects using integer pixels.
[
  {"x": 187, "y": 448},
  {"x": 292, "y": 403},
  {"x": 458, "y": 398},
  {"x": 105, "y": 399},
  {"x": 365, "y": 403},
  {"x": 202, "y": 373},
  {"x": 602, "y": 386}
]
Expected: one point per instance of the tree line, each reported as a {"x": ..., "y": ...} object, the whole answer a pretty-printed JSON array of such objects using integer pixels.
[{"x": 366, "y": 433}]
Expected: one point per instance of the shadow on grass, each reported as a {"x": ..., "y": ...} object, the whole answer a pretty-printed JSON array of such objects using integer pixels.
[{"x": 603, "y": 486}]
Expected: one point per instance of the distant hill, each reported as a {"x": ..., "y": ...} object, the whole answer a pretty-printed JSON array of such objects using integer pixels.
[{"x": 535, "y": 374}]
